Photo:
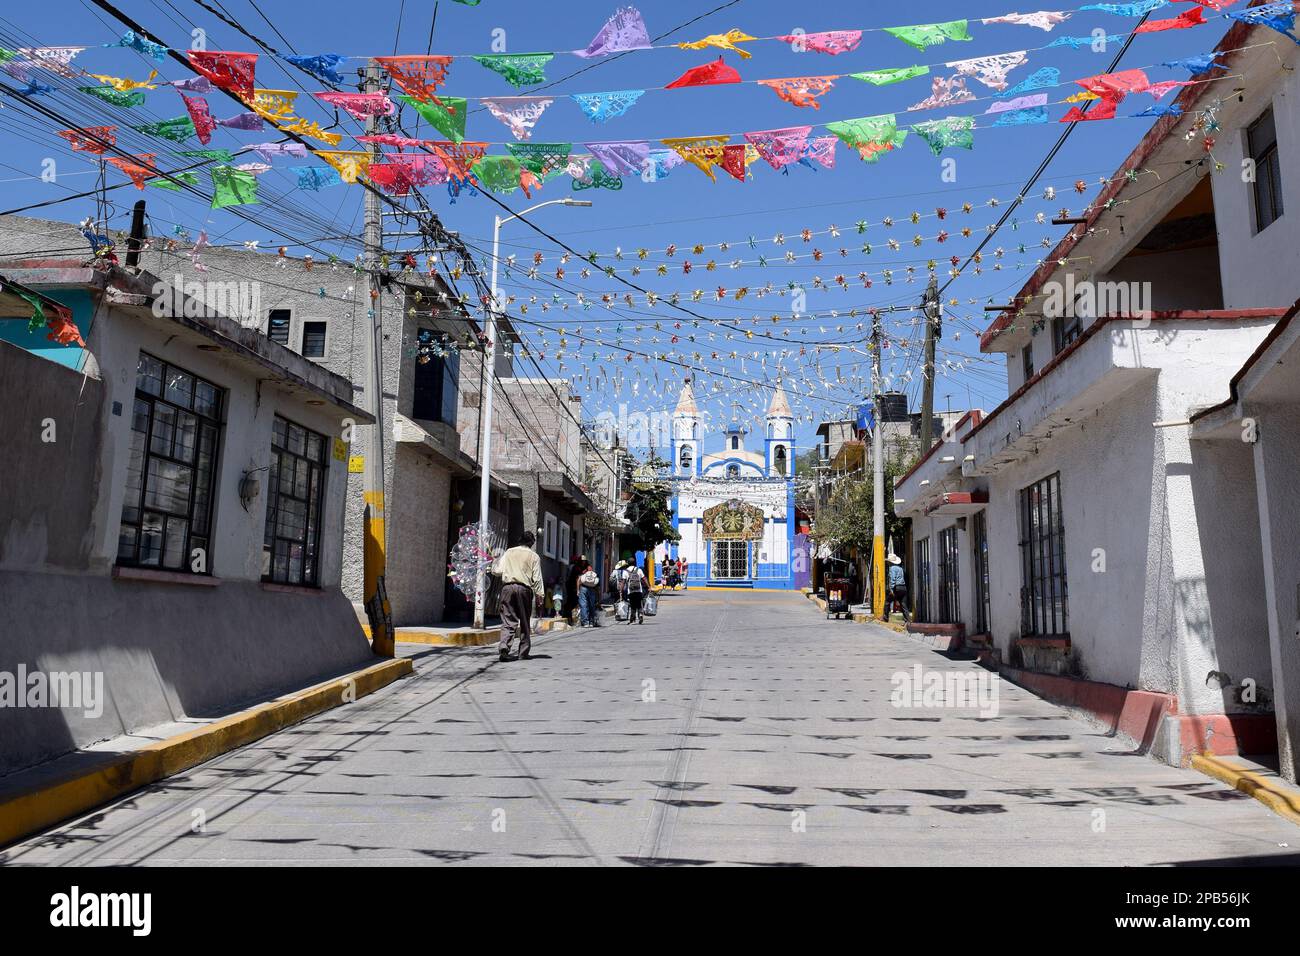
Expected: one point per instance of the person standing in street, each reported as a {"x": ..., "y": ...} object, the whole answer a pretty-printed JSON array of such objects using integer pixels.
[
  {"x": 520, "y": 570},
  {"x": 683, "y": 566},
  {"x": 896, "y": 586},
  {"x": 635, "y": 586},
  {"x": 589, "y": 597},
  {"x": 571, "y": 592}
]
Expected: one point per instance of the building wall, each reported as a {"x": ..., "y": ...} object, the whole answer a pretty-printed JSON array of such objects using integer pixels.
[
  {"x": 1260, "y": 269},
  {"x": 166, "y": 650},
  {"x": 1107, "y": 466},
  {"x": 417, "y": 539}
]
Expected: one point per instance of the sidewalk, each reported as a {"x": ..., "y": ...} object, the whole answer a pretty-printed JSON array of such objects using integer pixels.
[
  {"x": 35, "y": 798},
  {"x": 464, "y": 635}
]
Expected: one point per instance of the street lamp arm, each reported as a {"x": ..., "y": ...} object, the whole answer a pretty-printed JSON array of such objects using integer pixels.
[{"x": 550, "y": 202}]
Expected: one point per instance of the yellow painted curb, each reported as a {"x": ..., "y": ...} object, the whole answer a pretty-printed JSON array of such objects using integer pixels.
[
  {"x": 468, "y": 638},
  {"x": 1268, "y": 792},
  {"x": 60, "y": 799}
]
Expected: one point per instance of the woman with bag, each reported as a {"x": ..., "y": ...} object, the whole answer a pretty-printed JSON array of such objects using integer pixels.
[
  {"x": 622, "y": 610},
  {"x": 589, "y": 597}
]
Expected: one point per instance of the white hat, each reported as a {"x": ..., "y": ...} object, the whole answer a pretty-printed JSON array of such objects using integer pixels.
[{"x": 894, "y": 559}]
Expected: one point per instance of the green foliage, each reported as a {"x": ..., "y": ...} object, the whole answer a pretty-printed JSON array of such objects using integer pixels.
[
  {"x": 848, "y": 519},
  {"x": 648, "y": 512}
]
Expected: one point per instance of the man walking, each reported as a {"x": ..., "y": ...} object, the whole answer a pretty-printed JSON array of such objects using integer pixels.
[
  {"x": 896, "y": 587},
  {"x": 520, "y": 570}
]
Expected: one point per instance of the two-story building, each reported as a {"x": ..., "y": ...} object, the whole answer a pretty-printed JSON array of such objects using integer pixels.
[{"x": 1078, "y": 532}]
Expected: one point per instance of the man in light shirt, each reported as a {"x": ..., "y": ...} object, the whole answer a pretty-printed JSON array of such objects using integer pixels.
[{"x": 520, "y": 570}]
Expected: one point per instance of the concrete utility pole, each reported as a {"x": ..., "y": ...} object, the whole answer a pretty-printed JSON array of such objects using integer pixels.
[
  {"x": 485, "y": 400},
  {"x": 933, "y": 309},
  {"x": 378, "y": 610},
  {"x": 877, "y": 475}
]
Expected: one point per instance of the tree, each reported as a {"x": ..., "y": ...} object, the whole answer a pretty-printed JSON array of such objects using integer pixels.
[
  {"x": 847, "y": 520},
  {"x": 648, "y": 513}
]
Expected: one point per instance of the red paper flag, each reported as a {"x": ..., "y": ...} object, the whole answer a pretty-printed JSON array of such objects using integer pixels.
[
  {"x": 1189, "y": 18},
  {"x": 418, "y": 76},
  {"x": 137, "y": 172},
  {"x": 202, "y": 119},
  {"x": 706, "y": 75},
  {"x": 91, "y": 139},
  {"x": 230, "y": 71},
  {"x": 733, "y": 160}
]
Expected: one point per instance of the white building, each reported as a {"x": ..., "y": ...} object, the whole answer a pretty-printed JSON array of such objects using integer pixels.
[
  {"x": 734, "y": 508},
  {"x": 174, "y": 510},
  {"x": 1077, "y": 532}
]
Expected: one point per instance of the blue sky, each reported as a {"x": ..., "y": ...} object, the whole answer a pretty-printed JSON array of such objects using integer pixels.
[{"x": 684, "y": 209}]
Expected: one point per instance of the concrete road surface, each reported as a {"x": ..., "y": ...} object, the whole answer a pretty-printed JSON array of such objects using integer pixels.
[{"x": 734, "y": 728}]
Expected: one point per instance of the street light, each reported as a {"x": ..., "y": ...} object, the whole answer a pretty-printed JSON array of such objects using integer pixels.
[{"x": 489, "y": 377}]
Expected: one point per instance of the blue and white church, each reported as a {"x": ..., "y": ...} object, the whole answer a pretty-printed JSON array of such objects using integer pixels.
[{"x": 734, "y": 508}]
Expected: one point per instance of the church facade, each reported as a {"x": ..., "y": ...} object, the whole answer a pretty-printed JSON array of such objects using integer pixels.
[{"x": 734, "y": 508}]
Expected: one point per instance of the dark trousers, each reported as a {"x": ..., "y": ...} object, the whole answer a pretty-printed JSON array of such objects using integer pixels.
[
  {"x": 516, "y": 607},
  {"x": 899, "y": 596},
  {"x": 634, "y": 599}
]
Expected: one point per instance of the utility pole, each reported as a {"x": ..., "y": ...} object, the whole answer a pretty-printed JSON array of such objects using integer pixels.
[
  {"x": 933, "y": 309},
  {"x": 136, "y": 241},
  {"x": 378, "y": 610},
  {"x": 877, "y": 475}
]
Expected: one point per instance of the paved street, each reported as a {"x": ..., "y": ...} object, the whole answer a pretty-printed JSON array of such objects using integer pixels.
[{"x": 695, "y": 739}]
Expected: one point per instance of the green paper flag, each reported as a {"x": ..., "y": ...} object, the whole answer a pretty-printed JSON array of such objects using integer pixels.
[
  {"x": 870, "y": 135},
  {"x": 220, "y": 155},
  {"x": 189, "y": 179},
  {"x": 498, "y": 173},
  {"x": 447, "y": 116},
  {"x": 931, "y": 34},
  {"x": 177, "y": 130},
  {"x": 116, "y": 97},
  {"x": 885, "y": 77},
  {"x": 542, "y": 159},
  {"x": 950, "y": 131},
  {"x": 519, "y": 69},
  {"x": 233, "y": 187}
]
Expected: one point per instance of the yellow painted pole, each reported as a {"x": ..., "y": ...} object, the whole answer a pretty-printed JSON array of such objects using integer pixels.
[{"x": 374, "y": 564}]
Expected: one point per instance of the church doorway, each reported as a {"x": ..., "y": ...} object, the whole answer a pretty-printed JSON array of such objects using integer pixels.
[{"x": 730, "y": 560}]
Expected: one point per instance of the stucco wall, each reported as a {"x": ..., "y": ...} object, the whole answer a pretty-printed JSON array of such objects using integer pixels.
[
  {"x": 1261, "y": 269},
  {"x": 166, "y": 650}
]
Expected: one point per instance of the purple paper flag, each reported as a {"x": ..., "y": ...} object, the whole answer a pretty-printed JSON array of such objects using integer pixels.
[
  {"x": 269, "y": 151},
  {"x": 1019, "y": 103},
  {"x": 195, "y": 84},
  {"x": 625, "y": 30},
  {"x": 246, "y": 121},
  {"x": 622, "y": 159}
]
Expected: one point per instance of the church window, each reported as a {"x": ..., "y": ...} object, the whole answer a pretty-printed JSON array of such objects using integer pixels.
[
  {"x": 733, "y": 471},
  {"x": 735, "y": 442}
]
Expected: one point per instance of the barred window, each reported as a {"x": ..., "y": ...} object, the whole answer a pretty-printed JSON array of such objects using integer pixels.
[
  {"x": 981, "y": 548},
  {"x": 922, "y": 577},
  {"x": 291, "y": 541},
  {"x": 171, "y": 471},
  {"x": 1043, "y": 605},
  {"x": 949, "y": 586}
]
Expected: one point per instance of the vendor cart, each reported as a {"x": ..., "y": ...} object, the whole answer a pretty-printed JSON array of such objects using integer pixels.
[{"x": 837, "y": 597}]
